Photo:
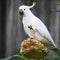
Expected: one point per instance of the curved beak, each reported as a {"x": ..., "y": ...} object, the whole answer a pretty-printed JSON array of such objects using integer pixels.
[{"x": 21, "y": 12}]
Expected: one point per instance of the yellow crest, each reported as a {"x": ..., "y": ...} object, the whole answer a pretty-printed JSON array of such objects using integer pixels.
[{"x": 34, "y": 3}]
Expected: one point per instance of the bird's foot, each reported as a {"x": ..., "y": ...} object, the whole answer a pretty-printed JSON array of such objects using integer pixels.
[{"x": 31, "y": 38}]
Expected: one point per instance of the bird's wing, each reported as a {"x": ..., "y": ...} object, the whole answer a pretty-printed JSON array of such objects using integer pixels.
[{"x": 43, "y": 31}]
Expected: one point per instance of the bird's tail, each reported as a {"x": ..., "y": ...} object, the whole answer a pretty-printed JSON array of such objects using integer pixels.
[{"x": 53, "y": 43}]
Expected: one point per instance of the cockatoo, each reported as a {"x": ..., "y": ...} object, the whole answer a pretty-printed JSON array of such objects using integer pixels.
[{"x": 33, "y": 26}]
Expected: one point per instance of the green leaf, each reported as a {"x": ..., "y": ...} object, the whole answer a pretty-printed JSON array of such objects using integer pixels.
[
  {"x": 55, "y": 10},
  {"x": 58, "y": 0},
  {"x": 6, "y": 58},
  {"x": 56, "y": 50},
  {"x": 14, "y": 57},
  {"x": 56, "y": 58}
]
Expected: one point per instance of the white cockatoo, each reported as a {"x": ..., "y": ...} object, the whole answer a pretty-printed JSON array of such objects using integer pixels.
[{"x": 33, "y": 26}]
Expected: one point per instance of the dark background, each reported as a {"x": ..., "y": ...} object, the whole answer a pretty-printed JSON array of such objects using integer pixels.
[{"x": 11, "y": 30}]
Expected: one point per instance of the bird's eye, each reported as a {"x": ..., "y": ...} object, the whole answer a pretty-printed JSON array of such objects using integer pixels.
[{"x": 24, "y": 9}]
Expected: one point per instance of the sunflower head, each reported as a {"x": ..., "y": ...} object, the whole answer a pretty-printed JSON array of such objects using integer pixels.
[{"x": 33, "y": 48}]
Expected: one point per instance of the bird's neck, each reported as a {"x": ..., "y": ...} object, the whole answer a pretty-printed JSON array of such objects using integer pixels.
[{"x": 27, "y": 18}]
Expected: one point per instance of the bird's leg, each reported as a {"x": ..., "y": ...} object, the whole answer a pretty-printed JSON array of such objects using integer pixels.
[{"x": 31, "y": 40}]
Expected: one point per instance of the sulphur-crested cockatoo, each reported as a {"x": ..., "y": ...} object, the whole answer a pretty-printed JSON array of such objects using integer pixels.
[{"x": 33, "y": 26}]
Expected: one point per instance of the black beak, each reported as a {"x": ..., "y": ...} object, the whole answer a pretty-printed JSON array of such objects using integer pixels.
[{"x": 21, "y": 12}]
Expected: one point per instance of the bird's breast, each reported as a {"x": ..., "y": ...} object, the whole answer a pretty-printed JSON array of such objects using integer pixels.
[
  {"x": 29, "y": 27},
  {"x": 29, "y": 30},
  {"x": 32, "y": 33}
]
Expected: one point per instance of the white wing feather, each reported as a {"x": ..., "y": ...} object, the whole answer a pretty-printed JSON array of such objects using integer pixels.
[{"x": 42, "y": 29}]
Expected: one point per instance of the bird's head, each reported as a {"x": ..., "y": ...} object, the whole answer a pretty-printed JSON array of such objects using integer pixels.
[{"x": 23, "y": 10}]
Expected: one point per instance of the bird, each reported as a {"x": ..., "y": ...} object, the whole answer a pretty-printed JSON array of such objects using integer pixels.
[{"x": 33, "y": 26}]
